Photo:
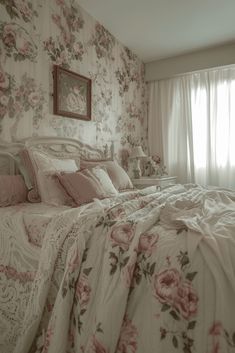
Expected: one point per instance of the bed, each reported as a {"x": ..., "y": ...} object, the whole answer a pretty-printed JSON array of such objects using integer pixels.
[{"x": 140, "y": 271}]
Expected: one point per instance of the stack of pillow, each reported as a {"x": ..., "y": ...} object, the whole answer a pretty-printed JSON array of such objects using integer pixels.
[{"x": 67, "y": 181}]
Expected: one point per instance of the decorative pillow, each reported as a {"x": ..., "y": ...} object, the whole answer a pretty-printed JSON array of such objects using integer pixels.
[
  {"x": 101, "y": 174},
  {"x": 51, "y": 191},
  {"x": 117, "y": 174},
  {"x": 45, "y": 162},
  {"x": 84, "y": 186},
  {"x": 36, "y": 161},
  {"x": 12, "y": 190}
]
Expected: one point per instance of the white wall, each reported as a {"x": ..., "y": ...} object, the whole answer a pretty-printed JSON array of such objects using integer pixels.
[{"x": 200, "y": 60}]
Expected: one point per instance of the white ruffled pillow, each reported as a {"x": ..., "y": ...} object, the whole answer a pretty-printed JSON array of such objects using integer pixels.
[
  {"x": 47, "y": 163},
  {"x": 104, "y": 179},
  {"x": 50, "y": 190}
]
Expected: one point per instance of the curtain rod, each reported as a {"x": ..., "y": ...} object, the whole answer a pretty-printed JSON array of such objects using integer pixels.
[{"x": 194, "y": 72}]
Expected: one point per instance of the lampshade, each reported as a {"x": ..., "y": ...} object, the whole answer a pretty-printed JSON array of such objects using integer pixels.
[{"x": 137, "y": 152}]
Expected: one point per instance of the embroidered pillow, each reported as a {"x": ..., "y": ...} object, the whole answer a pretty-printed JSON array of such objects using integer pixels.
[
  {"x": 45, "y": 162},
  {"x": 12, "y": 190},
  {"x": 36, "y": 161},
  {"x": 117, "y": 174}
]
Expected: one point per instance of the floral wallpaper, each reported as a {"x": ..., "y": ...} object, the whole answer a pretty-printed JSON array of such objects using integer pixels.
[{"x": 34, "y": 35}]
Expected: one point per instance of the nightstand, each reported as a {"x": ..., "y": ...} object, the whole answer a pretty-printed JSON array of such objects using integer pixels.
[{"x": 160, "y": 182}]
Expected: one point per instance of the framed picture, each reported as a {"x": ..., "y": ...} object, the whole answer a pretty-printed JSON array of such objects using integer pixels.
[{"x": 72, "y": 94}]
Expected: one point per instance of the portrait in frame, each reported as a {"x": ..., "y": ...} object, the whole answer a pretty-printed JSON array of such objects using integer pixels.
[{"x": 71, "y": 94}]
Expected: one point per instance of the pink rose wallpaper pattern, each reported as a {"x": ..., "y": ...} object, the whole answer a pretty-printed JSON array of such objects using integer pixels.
[{"x": 36, "y": 35}]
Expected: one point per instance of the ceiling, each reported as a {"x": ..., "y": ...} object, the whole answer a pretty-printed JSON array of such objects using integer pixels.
[{"x": 157, "y": 29}]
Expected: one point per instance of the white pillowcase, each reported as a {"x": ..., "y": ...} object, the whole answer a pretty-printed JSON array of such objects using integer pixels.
[
  {"x": 49, "y": 163},
  {"x": 105, "y": 180},
  {"x": 50, "y": 190}
]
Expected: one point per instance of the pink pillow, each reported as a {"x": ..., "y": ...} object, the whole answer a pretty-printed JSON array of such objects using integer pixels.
[
  {"x": 12, "y": 190},
  {"x": 83, "y": 186},
  {"x": 117, "y": 174}
]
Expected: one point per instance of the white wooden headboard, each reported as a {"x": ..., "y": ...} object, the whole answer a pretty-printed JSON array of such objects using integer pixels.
[
  {"x": 57, "y": 146},
  {"x": 62, "y": 147}
]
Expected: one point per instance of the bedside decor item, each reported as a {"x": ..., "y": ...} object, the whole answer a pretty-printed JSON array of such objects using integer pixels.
[
  {"x": 154, "y": 167},
  {"x": 71, "y": 94},
  {"x": 137, "y": 153}
]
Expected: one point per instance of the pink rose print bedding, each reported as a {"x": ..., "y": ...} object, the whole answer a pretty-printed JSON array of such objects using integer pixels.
[{"x": 140, "y": 272}]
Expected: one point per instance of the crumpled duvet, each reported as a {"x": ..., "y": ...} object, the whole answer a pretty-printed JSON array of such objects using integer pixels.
[{"x": 143, "y": 272}]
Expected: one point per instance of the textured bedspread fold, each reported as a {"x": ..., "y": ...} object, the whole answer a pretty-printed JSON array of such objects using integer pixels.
[{"x": 142, "y": 272}]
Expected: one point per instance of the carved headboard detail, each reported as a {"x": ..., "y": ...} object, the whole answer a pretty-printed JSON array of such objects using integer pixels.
[
  {"x": 57, "y": 146},
  {"x": 64, "y": 147}
]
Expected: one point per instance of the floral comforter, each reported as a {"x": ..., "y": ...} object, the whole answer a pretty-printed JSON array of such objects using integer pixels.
[{"x": 141, "y": 273}]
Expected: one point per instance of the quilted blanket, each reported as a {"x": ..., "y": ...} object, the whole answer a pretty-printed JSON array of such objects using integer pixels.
[{"x": 140, "y": 273}]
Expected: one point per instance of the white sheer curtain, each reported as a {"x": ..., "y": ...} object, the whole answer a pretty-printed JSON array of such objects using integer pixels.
[{"x": 191, "y": 124}]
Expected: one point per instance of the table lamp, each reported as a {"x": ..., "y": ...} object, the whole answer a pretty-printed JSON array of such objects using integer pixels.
[{"x": 137, "y": 153}]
